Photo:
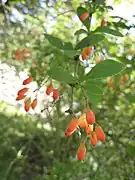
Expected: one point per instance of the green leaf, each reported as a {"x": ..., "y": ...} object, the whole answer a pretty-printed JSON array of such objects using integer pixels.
[
  {"x": 93, "y": 88},
  {"x": 81, "y": 31},
  {"x": 61, "y": 75},
  {"x": 107, "y": 30},
  {"x": 104, "y": 69},
  {"x": 94, "y": 99},
  {"x": 131, "y": 150},
  {"x": 59, "y": 43},
  {"x": 100, "y": 1},
  {"x": 131, "y": 98},
  {"x": 90, "y": 40},
  {"x": 70, "y": 53},
  {"x": 80, "y": 12}
]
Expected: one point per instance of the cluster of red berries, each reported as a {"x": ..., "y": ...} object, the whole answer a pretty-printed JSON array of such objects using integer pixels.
[
  {"x": 22, "y": 94},
  {"x": 122, "y": 80},
  {"x": 86, "y": 121},
  {"x": 50, "y": 89},
  {"x": 22, "y": 54}
]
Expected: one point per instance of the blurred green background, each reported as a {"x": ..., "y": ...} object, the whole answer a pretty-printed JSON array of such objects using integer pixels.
[{"x": 33, "y": 145}]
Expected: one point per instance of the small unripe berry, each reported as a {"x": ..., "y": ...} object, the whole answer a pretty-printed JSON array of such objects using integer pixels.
[
  {"x": 27, "y": 104},
  {"x": 28, "y": 80},
  {"x": 49, "y": 89},
  {"x": 90, "y": 117},
  {"x": 84, "y": 16},
  {"x": 100, "y": 133},
  {"x": 81, "y": 152},
  {"x": 103, "y": 22},
  {"x": 34, "y": 103}
]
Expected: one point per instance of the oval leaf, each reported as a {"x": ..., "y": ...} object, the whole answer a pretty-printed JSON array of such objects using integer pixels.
[
  {"x": 104, "y": 69},
  {"x": 61, "y": 75},
  {"x": 81, "y": 31},
  {"x": 59, "y": 43},
  {"x": 92, "y": 88},
  {"x": 90, "y": 40},
  {"x": 107, "y": 30}
]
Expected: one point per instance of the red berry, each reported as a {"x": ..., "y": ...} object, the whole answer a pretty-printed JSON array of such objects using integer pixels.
[
  {"x": 71, "y": 127},
  {"x": 84, "y": 16},
  {"x": 103, "y": 22},
  {"x": 49, "y": 89},
  {"x": 100, "y": 133},
  {"x": 82, "y": 121},
  {"x": 55, "y": 94},
  {"x": 81, "y": 152},
  {"x": 22, "y": 91},
  {"x": 90, "y": 117},
  {"x": 27, "y": 104},
  {"x": 28, "y": 80},
  {"x": 87, "y": 51},
  {"x": 20, "y": 97},
  {"x": 93, "y": 139},
  {"x": 34, "y": 103}
]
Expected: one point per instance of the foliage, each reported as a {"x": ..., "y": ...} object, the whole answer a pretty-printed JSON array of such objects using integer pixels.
[{"x": 35, "y": 147}]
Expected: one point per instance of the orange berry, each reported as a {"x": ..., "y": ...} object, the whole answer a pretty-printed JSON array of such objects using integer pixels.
[
  {"x": 49, "y": 89},
  {"x": 93, "y": 139},
  {"x": 84, "y": 16},
  {"x": 90, "y": 117},
  {"x": 81, "y": 152},
  {"x": 84, "y": 56},
  {"x": 98, "y": 59},
  {"x": 121, "y": 81},
  {"x": 20, "y": 97},
  {"x": 87, "y": 51},
  {"x": 71, "y": 127},
  {"x": 22, "y": 91},
  {"x": 100, "y": 133},
  {"x": 103, "y": 22},
  {"x": 88, "y": 129},
  {"x": 56, "y": 94},
  {"x": 28, "y": 80},
  {"x": 27, "y": 104},
  {"x": 34, "y": 103},
  {"x": 126, "y": 77},
  {"x": 82, "y": 121}
]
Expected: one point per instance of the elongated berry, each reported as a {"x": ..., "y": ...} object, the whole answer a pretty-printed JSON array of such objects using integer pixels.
[
  {"x": 81, "y": 152},
  {"x": 71, "y": 127},
  {"x": 90, "y": 117},
  {"x": 89, "y": 129},
  {"x": 27, "y": 104},
  {"x": 20, "y": 97},
  {"x": 56, "y": 94},
  {"x": 34, "y": 103},
  {"x": 84, "y": 16},
  {"x": 87, "y": 51},
  {"x": 49, "y": 89},
  {"x": 28, "y": 80},
  {"x": 103, "y": 22},
  {"x": 84, "y": 56},
  {"x": 22, "y": 91},
  {"x": 82, "y": 121},
  {"x": 93, "y": 139},
  {"x": 100, "y": 133}
]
